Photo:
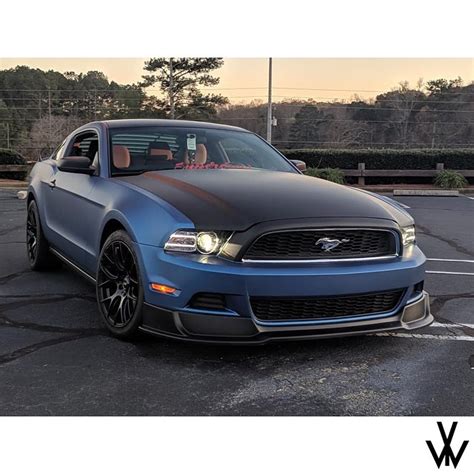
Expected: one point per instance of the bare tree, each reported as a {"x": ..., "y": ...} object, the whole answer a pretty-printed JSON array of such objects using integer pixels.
[
  {"x": 342, "y": 131},
  {"x": 399, "y": 109},
  {"x": 47, "y": 132}
]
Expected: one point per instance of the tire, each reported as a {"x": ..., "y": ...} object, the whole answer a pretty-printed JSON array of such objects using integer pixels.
[
  {"x": 37, "y": 247},
  {"x": 119, "y": 288}
]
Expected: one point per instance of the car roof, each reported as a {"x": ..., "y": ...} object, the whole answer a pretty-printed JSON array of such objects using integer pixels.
[{"x": 127, "y": 123}]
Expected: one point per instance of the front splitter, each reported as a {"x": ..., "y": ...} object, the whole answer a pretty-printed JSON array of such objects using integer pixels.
[{"x": 220, "y": 329}]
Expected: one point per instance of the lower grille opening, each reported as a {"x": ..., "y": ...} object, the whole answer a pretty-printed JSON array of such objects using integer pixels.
[
  {"x": 212, "y": 301},
  {"x": 325, "y": 307},
  {"x": 419, "y": 287}
]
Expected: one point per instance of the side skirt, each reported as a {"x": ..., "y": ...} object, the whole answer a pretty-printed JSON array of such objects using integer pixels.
[{"x": 72, "y": 265}]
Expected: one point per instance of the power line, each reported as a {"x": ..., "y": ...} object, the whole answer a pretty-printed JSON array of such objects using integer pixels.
[
  {"x": 366, "y": 90},
  {"x": 87, "y": 95},
  {"x": 329, "y": 119},
  {"x": 321, "y": 107},
  {"x": 140, "y": 89},
  {"x": 375, "y": 108},
  {"x": 288, "y": 118},
  {"x": 324, "y": 100},
  {"x": 342, "y": 100}
]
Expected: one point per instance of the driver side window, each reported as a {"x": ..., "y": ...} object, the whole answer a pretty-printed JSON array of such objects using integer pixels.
[{"x": 85, "y": 144}]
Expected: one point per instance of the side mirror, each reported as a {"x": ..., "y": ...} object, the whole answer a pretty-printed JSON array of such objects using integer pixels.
[
  {"x": 76, "y": 164},
  {"x": 301, "y": 165}
]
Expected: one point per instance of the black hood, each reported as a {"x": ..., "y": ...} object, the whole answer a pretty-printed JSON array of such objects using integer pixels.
[{"x": 236, "y": 199}]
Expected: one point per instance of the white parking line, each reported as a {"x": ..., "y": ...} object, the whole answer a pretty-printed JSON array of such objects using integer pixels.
[
  {"x": 450, "y": 273},
  {"x": 449, "y": 260},
  {"x": 469, "y": 197},
  {"x": 451, "y": 325},
  {"x": 404, "y": 205},
  {"x": 441, "y": 337}
]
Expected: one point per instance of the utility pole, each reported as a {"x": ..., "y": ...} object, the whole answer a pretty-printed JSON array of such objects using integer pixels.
[
  {"x": 170, "y": 92},
  {"x": 269, "y": 105},
  {"x": 49, "y": 118}
]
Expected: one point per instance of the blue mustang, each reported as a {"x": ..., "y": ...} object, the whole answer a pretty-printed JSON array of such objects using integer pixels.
[{"x": 206, "y": 232}]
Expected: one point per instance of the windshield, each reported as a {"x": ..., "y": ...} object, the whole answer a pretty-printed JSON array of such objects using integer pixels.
[{"x": 135, "y": 150}]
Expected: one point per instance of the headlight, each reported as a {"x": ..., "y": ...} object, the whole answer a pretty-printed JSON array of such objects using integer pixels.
[
  {"x": 408, "y": 235},
  {"x": 206, "y": 242},
  {"x": 182, "y": 241}
]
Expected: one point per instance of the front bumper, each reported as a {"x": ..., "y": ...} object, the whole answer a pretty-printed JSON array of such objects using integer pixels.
[
  {"x": 206, "y": 327},
  {"x": 174, "y": 316}
]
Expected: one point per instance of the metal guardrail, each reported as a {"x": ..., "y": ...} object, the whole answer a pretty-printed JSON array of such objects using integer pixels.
[
  {"x": 361, "y": 173},
  {"x": 16, "y": 168},
  {"x": 13, "y": 168}
]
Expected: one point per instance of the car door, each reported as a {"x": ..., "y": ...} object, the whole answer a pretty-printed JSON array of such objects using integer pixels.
[{"x": 67, "y": 199}]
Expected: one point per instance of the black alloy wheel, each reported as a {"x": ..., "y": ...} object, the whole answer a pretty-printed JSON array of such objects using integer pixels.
[
  {"x": 37, "y": 247},
  {"x": 32, "y": 234},
  {"x": 119, "y": 292}
]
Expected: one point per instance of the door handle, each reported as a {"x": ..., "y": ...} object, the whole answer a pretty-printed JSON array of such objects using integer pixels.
[{"x": 52, "y": 183}]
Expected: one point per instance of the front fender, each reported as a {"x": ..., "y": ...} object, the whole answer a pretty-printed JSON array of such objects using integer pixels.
[
  {"x": 40, "y": 172},
  {"x": 148, "y": 219}
]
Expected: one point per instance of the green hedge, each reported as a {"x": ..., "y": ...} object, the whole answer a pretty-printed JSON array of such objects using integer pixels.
[
  {"x": 384, "y": 159},
  {"x": 330, "y": 174},
  {"x": 8, "y": 157}
]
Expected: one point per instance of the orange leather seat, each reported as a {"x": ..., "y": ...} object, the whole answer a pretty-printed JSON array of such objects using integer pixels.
[
  {"x": 121, "y": 156},
  {"x": 200, "y": 156}
]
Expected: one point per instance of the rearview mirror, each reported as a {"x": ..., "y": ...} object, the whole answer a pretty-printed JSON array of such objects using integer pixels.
[
  {"x": 301, "y": 165},
  {"x": 76, "y": 164}
]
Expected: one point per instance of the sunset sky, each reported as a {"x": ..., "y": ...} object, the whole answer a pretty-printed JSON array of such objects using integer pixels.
[{"x": 322, "y": 79}]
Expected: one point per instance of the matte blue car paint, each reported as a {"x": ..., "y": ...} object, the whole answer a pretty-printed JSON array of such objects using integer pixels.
[
  {"x": 76, "y": 211},
  {"x": 192, "y": 274}
]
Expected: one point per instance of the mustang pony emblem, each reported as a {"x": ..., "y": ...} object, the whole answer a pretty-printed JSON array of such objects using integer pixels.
[{"x": 328, "y": 244}]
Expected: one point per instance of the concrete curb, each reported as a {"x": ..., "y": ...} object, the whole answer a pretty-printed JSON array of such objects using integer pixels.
[
  {"x": 390, "y": 188},
  {"x": 426, "y": 192}
]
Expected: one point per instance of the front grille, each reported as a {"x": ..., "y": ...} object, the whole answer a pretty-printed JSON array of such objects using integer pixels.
[
  {"x": 324, "y": 307},
  {"x": 212, "y": 301},
  {"x": 303, "y": 244}
]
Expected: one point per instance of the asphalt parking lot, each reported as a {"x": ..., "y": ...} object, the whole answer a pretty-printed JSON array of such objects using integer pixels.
[{"x": 56, "y": 359}]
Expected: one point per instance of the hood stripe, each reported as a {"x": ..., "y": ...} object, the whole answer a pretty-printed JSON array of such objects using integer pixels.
[{"x": 199, "y": 193}]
